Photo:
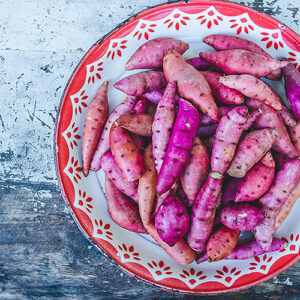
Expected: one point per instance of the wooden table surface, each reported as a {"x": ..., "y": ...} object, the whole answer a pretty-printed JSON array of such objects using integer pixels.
[{"x": 42, "y": 252}]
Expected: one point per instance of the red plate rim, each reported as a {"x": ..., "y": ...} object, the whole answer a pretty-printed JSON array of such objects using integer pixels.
[{"x": 149, "y": 11}]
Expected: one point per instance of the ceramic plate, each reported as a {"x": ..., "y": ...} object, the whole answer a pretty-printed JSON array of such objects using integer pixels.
[{"x": 137, "y": 254}]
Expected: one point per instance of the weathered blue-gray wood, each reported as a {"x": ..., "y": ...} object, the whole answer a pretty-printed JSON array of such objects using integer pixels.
[{"x": 42, "y": 252}]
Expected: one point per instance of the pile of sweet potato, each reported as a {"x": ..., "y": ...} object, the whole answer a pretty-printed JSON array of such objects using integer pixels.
[{"x": 201, "y": 149}]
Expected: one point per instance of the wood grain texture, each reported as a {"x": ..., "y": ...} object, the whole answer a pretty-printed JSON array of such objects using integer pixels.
[{"x": 42, "y": 252}]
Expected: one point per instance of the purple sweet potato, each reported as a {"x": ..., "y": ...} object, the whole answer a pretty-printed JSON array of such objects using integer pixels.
[
  {"x": 95, "y": 119},
  {"x": 253, "y": 249},
  {"x": 121, "y": 210},
  {"x": 221, "y": 243},
  {"x": 229, "y": 190},
  {"x": 181, "y": 142},
  {"x": 272, "y": 201},
  {"x": 198, "y": 63},
  {"x": 270, "y": 119},
  {"x": 239, "y": 61},
  {"x": 252, "y": 118},
  {"x": 163, "y": 124},
  {"x": 205, "y": 120},
  {"x": 195, "y": 171},
  {"x": 201, "y": 258},
  {"x": 141, "y": 106},
  {"x": 251, "y": 150},
  {"x": 229, "y": 42},
  {"x": 113, "y": 173},
  {"x": 295, "y": 136},
  {"x": 150, "y": 55},
  {"x": 140, "y": 124},
  {"x": 172, "y": 220},
  {"x": 140, "y": 83},
  {"x": 154, "y": 96},
  {"x": 241, "y": 217},
  {"x": 191, "y": 84},
  {"x": 257, "y": 181},
  {"x": 228, "y": 133},
  {"x": 146, "y": 188},
  {"x": 103, "y": 144},
  {"x": 220, "y": 92},
  {"x": 252, "y": 87},
  {"x": 203, "y": 212},
  {"x": 126, "y": 154},
  {"x": 208, "y": 130},
  {"x": 292, "y": 87}
]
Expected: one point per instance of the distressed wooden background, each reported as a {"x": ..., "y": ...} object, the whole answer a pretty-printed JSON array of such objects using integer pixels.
[{"x": 42, "y": 252}]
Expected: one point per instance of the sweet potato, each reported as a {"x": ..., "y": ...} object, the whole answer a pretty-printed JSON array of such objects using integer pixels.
[
  {"x": 288, "y": 205},
  {"x": 239, "y": 61},
  {"x": 198, "y": 63},
  {"x": 103, "y": 144},
  {"x": 141, "y": 106},
  {"x": 221, "y": 243},
  {"x": 140, "y": 124},
  {"x": 179, "y": 147},
  {"x": 203, "y": 212},
  {"x": 205, "y": 120},
  {"x": 208, "y": 143},
  {"x": 140, "y": 141},
  {"x": 221, "y": 92},
  {"x": 270, "y": 119},
  {"x": 113, "y": 173},
  {"x": 154, "y": 96},
  {"x": 121, "y": 210},
  {"x": 183, "y": 197},
  {"x": 251, "y": 150},
  {"x": 208, "y": 130},
  {"x": 272, "y": 201},
  {"x": 241, "y": 217},
  {"x": 126, "y": 154},
  {"x": 201, "y": 258},
  {"x": 252, "y": 87},
  {"x": 195, "y": 171},
  {"x": 150, "y": 55},
  {"x": 252, "y": 118},
  {"x": 95, "y": 119},
  {"x": 280, "y": 160},
  {"x": 295, "y": 136},
  {"x": 292, "y": 87},
  {"x": 286, "y": 115},
  {"x": 191, "y": 84},
  {"x": 172, "y": 220},
  {"x": 229, "y": 190},
  {"x": 163, "y": 124},
  {"x": 257, "y": 181},
  {"x": 140, "y": 83},
  {"x": 146, "y": 187},
  {"x": 228, "y": 133},
  {"x": 229, "y": 42}
]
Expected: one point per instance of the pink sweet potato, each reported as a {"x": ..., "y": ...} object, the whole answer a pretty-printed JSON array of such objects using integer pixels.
[
  {"x": 208, "y": 130},
  {"x": 205, "y": 120},
  {"x": 191, "y": 84},
  {"x": 221, "y": 92},
  {"x": 239, "y": 61},
  {"x": 251, "y": 150},
  {"x": 163, "y": 124},
  {"x": 113, "y": 173},
  {"x": 241, "y": 217},
  {"x": 154, "y": 96},
  {"x": 252, "y": 87},
  {"x": 140, "y": 141},
  {"x": 140, "y": 124},
  {"x": 126, "y": 154},
  {"x": 198, "y": 63},
  {"x": 121, "y": 210},
  {"x": 286, "y": 115},
  {"x": 272, "y": 201},
  {"x": 228, "y": 133},
  {"x": 150, "y": 55},
  {"x": 141, "y": 106},
  {"x": 229, "y": 190},
  {"x": 103, "y": 144},
  {"x": 140, "y": 83},
  {"x": 292, "y": 87},
  {"x": 172, "y": 220},
  {"x": 229, "y": 42},
  {"x": 288, "y": 205},
  {"x": 257, "y": 181},
  {"x": 221, "y": 243},
  {"x": 195, "y": 171},
  {"x": 95, "y": 119},
  {"x": 203, "y": 212},
  {"x": 181, "y": 142},
  {"x": 270, "y": 119},
  {"x": 295, "y": 136},
  {"x": 146, "y": 188},
  {"x": 183, "y": 197},
  {"x": 252, "y": 118}
]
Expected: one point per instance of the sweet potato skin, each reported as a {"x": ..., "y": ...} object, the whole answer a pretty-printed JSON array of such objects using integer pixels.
[
  {"x": 198, "y": 63},
  {"x": 207, "y": 131},
  {"x": 191, "y": 84},
  {"x": 103, "y": 144},
  {"x": 150, "y": 55},
  {"x": 95, "y": 119},
  {"x": 141, "y": 106},
  {"x": 229, "y": 190},
  {"x": 295, "y": 136},
  {"x": 154, "y": 96},
  {"x": 250, "y": 150},
  {"x": 121, "y": 210},
  {"x": 141, "y": 83},
  {"x": 253, "y": 116}
]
